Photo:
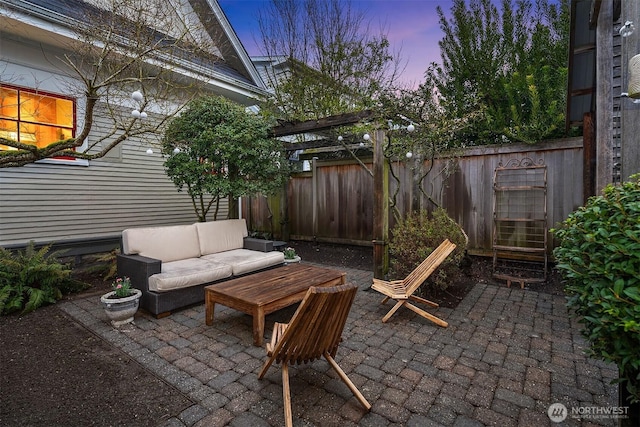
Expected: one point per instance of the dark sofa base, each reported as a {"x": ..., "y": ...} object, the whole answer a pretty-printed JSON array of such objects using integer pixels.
[{"x": 162, "y": 304}]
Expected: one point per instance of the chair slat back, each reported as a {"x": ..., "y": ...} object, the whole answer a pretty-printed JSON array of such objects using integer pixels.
[
  {"x": 317, "y": 325},
  {"x": 426, "y": 267}
]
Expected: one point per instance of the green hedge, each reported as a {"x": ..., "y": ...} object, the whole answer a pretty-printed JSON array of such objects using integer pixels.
[{"x": 599, "y": 257}]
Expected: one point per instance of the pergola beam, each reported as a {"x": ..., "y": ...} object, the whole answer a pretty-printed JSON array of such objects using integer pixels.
[{"x": 291, "y": 128}]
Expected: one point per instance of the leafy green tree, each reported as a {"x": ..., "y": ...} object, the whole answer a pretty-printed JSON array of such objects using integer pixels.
[
  {"x": 216, "y": 149},
  {"x": 510, "y": 66}
]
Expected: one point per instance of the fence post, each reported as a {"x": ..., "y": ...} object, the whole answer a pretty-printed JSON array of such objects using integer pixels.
[
  {"x": 314, "y": 197},
  {"x": 284, "y": 212},
  {"x": 380, "y": 207}
]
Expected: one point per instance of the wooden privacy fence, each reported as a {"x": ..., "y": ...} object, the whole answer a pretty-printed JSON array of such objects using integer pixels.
[{"x": 334, "y": 201}]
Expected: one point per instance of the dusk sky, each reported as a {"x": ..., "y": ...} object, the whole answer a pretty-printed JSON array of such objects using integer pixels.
[{"x": 411, "y": 25}]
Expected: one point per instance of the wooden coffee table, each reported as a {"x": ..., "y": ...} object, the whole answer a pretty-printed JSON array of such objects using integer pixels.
[{"x": 262, "y": 293}]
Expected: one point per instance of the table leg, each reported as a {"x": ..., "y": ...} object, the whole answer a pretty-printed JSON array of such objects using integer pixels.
[
  {"x": 258, "y": 326},
  {"x": 209, "y": 304}
]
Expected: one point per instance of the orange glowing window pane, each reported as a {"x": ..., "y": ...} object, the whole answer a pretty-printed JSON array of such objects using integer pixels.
[
  {"x": 8, "y": 103},
  {"x": 35, "y": 118},
  {"x": 46, "y": 109}
]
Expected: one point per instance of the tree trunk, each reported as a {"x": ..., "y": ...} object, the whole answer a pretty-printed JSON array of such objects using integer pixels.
[
  {"x": 233, "y": 208},
  {"x": 380, "y": 208}
]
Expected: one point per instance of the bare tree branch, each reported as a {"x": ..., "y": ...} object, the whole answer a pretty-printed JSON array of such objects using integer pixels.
[{"x": 119, "y": 47}]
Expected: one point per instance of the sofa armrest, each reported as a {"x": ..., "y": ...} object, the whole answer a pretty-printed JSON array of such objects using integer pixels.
[
  {"x": 260, "y": 245},
  {"x": 138, "y": 268}
]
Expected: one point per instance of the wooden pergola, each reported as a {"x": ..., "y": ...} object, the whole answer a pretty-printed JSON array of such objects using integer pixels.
[{"x": 380, "y": 175}]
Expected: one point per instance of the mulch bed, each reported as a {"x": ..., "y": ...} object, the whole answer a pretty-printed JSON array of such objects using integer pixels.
[
  {"x": 54, "y": 372},
  {"x": 57, "y": 373}
]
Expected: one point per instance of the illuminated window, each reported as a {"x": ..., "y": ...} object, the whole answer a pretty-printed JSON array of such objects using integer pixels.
[{"x": 33, "y": 117}]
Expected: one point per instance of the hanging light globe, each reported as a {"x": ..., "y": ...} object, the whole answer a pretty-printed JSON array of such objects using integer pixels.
[{"x": 136, "y": 95}]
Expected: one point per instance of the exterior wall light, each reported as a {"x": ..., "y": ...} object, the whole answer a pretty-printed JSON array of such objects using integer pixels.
[{"x": 627, "y": 29}]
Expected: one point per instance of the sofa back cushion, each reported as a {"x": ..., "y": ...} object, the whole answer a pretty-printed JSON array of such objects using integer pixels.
[
  {"x": 220, "y": 236},
  {"x": 167, "y": 244}
]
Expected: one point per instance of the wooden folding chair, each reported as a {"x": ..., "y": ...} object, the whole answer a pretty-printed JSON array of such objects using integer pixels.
[
  {"x": 402, "y": 290},
  {"x": 315, "y": 330}
]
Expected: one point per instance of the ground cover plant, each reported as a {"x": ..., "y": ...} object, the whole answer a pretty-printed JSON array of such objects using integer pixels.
[
  {"x": 33, "y": 277},
  {"x": 599, "y": 257}
]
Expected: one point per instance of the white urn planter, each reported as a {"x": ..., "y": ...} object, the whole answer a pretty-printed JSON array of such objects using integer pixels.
[
  {"x": 121, "y": 310},
  {"x": 292, "y": 260}
]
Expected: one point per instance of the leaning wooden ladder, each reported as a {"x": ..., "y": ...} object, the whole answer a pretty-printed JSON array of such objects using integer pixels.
[
  {"x": 315, "y": 331},
  {"x": 402, "y": 290}
]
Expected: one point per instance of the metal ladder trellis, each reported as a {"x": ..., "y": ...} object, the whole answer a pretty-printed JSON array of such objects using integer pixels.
[{"x": 520, "y": 221}]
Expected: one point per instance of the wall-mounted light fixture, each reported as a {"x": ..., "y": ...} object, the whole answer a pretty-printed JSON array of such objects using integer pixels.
[{"x": 627, "y": 29}]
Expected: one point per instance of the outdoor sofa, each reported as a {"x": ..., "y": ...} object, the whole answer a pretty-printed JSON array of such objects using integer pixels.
[{"x": 171, "y": 265}]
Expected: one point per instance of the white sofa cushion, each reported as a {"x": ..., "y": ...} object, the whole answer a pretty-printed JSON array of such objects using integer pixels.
[
  {"x": 220, "y": 236},
  {"x": 167, "y": 244},
  {"x": 245, "y": 261},
  {"x": 187, "y": 272}
]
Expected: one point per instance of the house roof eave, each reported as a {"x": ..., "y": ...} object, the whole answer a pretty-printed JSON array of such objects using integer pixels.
[{"x": 235, "y": 53}]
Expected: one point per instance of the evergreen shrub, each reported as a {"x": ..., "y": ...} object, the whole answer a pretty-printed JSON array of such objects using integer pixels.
[
  {"x": 416, "y": 236},
  {"x": 599, "y": 258}
]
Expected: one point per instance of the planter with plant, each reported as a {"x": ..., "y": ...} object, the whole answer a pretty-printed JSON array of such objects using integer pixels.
[
  {"x": 290, "y": 255},
  {"x": 599, "y": 258},
  {"x": 121, "y": 304}
]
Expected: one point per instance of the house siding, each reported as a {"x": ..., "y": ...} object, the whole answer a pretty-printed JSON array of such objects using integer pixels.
[
  {"x": 89, "y": 204},
  {"x": 52, "y": 202}
]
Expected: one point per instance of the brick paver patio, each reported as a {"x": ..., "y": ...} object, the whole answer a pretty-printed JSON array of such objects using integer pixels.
[{"x": 505, "y": 357}]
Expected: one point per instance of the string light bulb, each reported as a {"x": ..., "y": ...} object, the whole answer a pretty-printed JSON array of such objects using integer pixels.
[{"x": 137, "y": 96}]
